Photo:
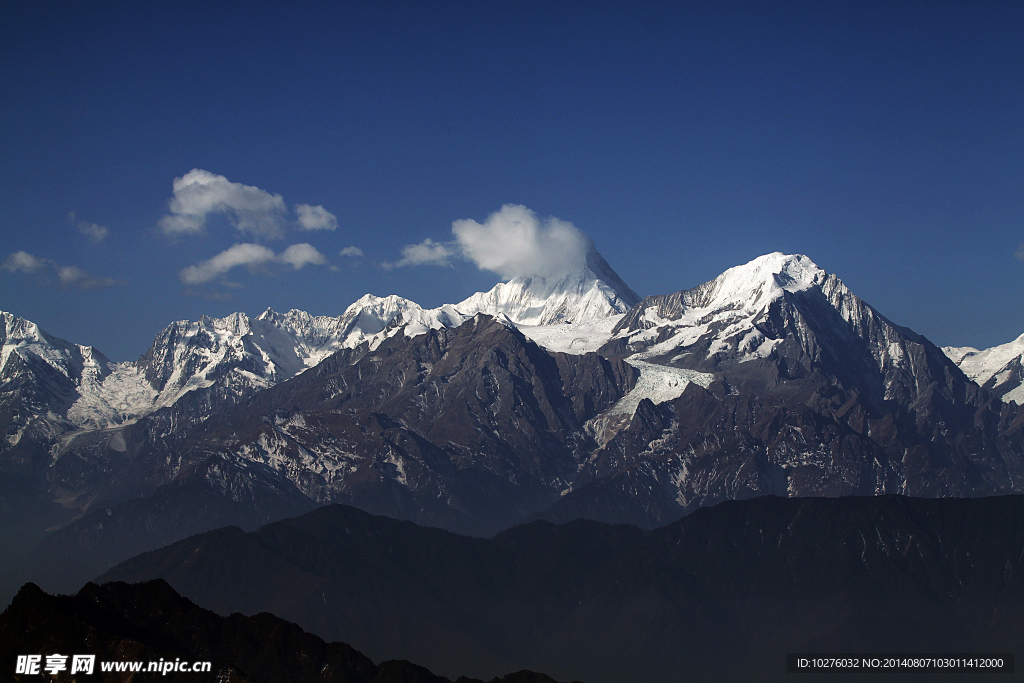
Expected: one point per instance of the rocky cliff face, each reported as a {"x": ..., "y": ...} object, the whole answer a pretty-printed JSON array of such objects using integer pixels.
[
  {"x": 467, "y": 428},
  {"x": 806, "y": 390}
]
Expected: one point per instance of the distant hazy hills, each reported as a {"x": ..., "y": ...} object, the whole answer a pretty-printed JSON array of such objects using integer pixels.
[{"x": 722, "y": 594}]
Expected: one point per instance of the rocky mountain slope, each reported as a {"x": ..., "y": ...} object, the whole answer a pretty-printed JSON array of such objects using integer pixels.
[
  {"x": 804, "y": 389},
  {"x": 80, "y": 442}
]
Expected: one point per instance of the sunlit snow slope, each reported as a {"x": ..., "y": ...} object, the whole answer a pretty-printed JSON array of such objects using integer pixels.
[
  {"x": 594, "y": 292},
  {"x": 1000, "y": 368}
]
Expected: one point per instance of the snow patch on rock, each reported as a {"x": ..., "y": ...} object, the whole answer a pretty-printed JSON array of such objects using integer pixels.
[{"x": 659, "y": 383}]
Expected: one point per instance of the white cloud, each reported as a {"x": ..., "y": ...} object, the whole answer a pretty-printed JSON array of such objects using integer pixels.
[
  {"x": 68, "y": 276},
  {"x": 426, "y": 253},
  {"x": 315, "y": 218},
  {"x": 237, "y": 255},
  {"x": 94, "y": 232},
  {"x": 299, "y": 255},
  {"x": 251, "y": 256},
  {"x": 514, "y": 242},
  {"x": 351, "y": 251},
  {"x": 199, "y": 193},
  {"x": 24, "y": 262},
  {"x": 73, "y": 276}
]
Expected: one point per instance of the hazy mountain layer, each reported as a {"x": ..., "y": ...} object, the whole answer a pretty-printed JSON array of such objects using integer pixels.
[{"x": 722, "y": 594}]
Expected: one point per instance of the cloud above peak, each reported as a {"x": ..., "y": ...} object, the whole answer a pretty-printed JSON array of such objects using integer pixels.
[
  {"x": 94, "y": 231},
  {"x": 73, "y": 276},
  {"x": 515, "y": 242},
  {"x": 426, "y": 253},
  {"x": 512, "y": 242},
  {"x": 299, "y": 255},
  {"x": 250, "y": 255},
  {"x": 200, "y": 194},
  {"x": 24, "y": 262}
]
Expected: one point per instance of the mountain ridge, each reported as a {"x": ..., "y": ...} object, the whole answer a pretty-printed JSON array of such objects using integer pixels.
[{"x": 772, "y": 378}]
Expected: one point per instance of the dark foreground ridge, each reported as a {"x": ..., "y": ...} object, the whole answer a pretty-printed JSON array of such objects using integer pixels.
[
  {"x": 148, "y": 622},
  {"x": 722, "y": 594}
]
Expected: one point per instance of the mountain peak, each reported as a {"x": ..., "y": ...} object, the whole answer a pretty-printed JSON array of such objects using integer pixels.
[
  {"x": 19, "y": 329},
  {"x": 595, "y": 290},
  {"x": 763, "y": 278},
  {"x": 27, "y": 339},
  {"x": 741, "y": 290}
]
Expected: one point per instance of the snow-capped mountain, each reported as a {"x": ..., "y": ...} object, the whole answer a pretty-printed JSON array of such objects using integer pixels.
[
  {"x": 371, "y": 318},
  {"x": 785, "y": 312},
  {"x": 771, "y": 378},
  {"x": 244, "y": 355},
  {"x": 23, "y": 341},
  {"x": 594, "y": 292},
  {"x": 771, "y": 340},
  {"x": 999, "y": 368},
  {"x": 41, "y": 377},
  {"x": 235, "y": 355}
]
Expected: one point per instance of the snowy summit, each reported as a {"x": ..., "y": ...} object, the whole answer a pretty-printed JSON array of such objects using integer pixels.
[{"x": 592, "y": 292}]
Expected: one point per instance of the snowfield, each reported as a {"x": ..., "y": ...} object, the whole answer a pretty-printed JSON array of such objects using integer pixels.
[{"x": 659, "y": 383}]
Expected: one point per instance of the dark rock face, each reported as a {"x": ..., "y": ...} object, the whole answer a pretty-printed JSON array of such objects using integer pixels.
[
  {"x": 722, "y": 594},
  {"x": 150, "y": 622},
  {"x": 496, "y": 410},
  {"x": 714, "y": 445},
  {"x": 844, "y": 403},
  {"x": 472, "y": 429}
]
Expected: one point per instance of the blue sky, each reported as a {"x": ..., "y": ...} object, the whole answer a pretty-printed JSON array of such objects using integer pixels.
[{"x": 884, "y": 140}]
